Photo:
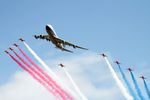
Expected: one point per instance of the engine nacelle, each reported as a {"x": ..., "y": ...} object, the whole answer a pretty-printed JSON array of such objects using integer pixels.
[
  {"x": 47, "y": 39},
  {"x": 74, "y": 46},
  {"x": 35, "y": 36}
]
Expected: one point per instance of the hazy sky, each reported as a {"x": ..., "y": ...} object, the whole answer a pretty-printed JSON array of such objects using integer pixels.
[{"x": 119, "y": 27}]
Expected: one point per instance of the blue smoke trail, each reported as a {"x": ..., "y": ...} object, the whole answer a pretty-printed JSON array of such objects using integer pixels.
[
  {"x": 147, "y": 89},
  {"x": 118, "y": 81},
  {"x": 137, "y": 87},
  {"x": 131, "y": 91}
]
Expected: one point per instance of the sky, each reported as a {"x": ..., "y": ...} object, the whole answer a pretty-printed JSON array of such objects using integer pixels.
[{"x": 119, "y": 28}]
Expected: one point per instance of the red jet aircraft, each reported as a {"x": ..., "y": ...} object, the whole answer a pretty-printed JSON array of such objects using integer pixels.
[
  {"x": 103, "y": 55},
  {"x": 61, "y": 65},
  {"x": 117, "y": 62},
  {"x": 21, "y": 39},
  {"x": 142, "y": 77},
  {"x": 16, "y": 45},
  {"x": 11, "y": 49},
  {"x": 130, "y": 69},
  {"x": 6, "y": 51}
]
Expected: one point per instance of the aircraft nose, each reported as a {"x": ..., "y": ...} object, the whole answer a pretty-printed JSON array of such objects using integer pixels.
[{"x": 47, "y": 27}]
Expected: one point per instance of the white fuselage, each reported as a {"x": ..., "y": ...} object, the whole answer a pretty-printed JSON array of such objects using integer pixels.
[{"x": 53, "y": 36}]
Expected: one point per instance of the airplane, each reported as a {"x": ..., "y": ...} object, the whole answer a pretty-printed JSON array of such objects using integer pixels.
[
  {"x": 59, "y": 43},
  {"x": 130, "y": 69},
  {"x": 6, "y": 51},
  {"x": 142, "y": 77},
  {"x": 11, "y": 49},
  {"x": 21, "y": 39},
  {"x": 16, "y": 45},
  {"x": 103, "y": 55},
  {"x": 117, "y": 62},
  {"x": 61, "y": 65}
]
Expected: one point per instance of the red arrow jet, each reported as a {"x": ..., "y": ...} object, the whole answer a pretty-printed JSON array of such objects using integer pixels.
[
  {"x": 142, "y": 77},
  {"x": 16, "y": 45},
  {"x": 61, "y": 65},
  {"x": 117, "y": 62},
  {"x": 11, "y": 49},
  {"x": 6, "y": 51},
  {"x": 103, "y": 55},
  {"x": 21, "y": 39},
  {"x": 130, "y": 69}
]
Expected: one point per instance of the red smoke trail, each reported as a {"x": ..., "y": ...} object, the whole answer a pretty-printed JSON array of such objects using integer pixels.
[
  {"x": 33, "y": 75},
  {"x": 41, "y": 76},
  {"x": 46, "y": 75},
  {"x": 50, "y": 70}
]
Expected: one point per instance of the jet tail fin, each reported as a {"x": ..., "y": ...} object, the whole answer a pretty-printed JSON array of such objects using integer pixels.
[{"x": 63, "y": 49}]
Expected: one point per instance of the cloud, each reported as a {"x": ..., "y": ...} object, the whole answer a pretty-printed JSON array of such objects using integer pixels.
[
  {"x": 88, "y": 70},
  {"x": 23, "y": 87}
]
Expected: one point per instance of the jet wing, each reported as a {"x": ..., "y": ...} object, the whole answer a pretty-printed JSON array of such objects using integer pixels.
[
  {"x": 42, "y": 37},
  {"x": 69, "y": 44}
]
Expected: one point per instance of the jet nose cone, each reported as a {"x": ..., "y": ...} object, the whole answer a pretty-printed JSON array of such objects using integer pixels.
[{"x": 47, "y": 27}]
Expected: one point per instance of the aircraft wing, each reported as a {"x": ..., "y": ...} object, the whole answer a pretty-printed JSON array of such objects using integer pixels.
[
  {"x": 69, "y": 44},
  {"x": 46, "y": 37}
]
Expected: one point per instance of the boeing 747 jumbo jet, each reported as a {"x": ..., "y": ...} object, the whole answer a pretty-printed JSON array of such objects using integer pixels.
[{"x": 59, "y": 43}]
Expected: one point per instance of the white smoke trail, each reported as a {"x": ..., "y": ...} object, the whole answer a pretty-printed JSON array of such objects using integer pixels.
[
  {"x": 119, "y": 83},
  {"x": 74, "y": 85},
  {"x": 48, "y": 69}
]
